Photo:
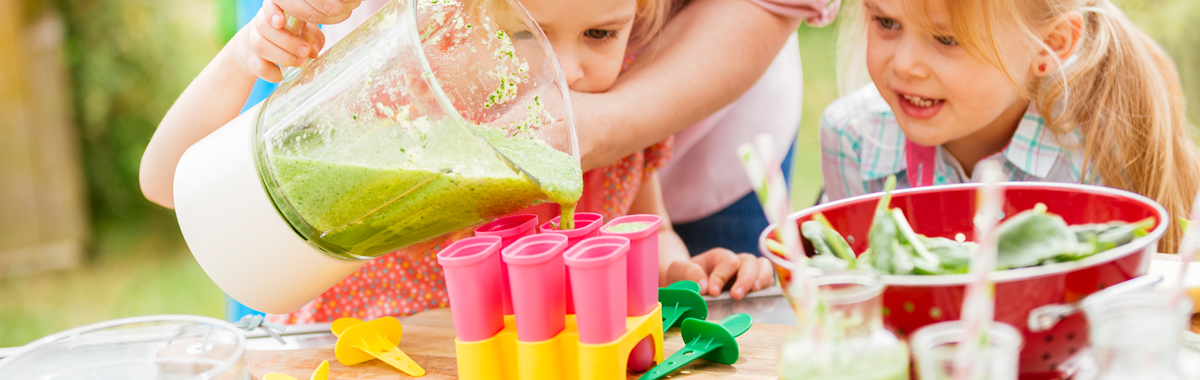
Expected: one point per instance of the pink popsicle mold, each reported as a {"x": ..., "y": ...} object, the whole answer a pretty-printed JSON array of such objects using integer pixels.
[
  {"x": 508, "y": 229},
  {"x": 538, "y": 284},
  {"x": 598, "y": 281},
  {"x": 587, "y": 225},
  {"x": 472, "y": 274},
  {"x": 642, "y": 261}
]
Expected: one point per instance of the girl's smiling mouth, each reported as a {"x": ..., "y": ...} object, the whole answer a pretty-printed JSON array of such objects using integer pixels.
[{"x": 918, "y": 107}]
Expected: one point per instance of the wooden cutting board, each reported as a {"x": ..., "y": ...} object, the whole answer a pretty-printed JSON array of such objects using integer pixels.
[{"x": 429, "y": 340}]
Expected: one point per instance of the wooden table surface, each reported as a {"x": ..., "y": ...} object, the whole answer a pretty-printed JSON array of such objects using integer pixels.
[{"x": 429, "y": 340}]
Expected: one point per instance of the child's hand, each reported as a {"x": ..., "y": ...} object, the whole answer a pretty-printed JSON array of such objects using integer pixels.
[
  {"x": 312, "y": 11},
  {"x": 266, "y": 46},
  {"x": 715, "y": 268}
]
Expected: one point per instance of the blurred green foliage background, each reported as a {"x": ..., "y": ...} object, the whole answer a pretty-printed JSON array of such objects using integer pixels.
[{"x": 129, "y": 59}]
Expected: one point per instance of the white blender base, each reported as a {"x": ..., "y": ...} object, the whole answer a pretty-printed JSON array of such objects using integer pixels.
[{"x": 234, "y": 231}]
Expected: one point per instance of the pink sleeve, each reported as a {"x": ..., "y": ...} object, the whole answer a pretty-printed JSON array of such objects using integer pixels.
[{"x": 815, "y": 12}]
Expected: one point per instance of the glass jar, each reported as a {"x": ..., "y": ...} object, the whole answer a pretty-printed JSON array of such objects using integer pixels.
[
  {"x": 853, "y": 345},
  {"x": 935, "y": 347},
  {"x": 1136, "y": 336}
]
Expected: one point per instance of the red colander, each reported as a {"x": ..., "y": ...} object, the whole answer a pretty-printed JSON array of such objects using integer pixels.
[{"x": 911, "y": 302}]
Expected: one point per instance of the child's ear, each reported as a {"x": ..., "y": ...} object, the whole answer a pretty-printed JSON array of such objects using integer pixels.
[{"x": 1060, "y": 39}]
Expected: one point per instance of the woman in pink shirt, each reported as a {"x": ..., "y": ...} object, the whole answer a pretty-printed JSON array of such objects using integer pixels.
[{"x": 712, "y": 205}]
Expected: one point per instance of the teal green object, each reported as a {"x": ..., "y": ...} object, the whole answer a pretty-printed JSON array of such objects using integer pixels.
[
  {"x": 706, "y": 340},
  {"x": 681, "y": 301}
]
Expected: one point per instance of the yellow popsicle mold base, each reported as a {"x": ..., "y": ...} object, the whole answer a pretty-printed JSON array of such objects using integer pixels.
[{"x": 503, "y": 357}]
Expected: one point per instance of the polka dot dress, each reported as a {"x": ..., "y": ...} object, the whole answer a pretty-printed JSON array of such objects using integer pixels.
[
  {"x": 610, "y": 190},
  {"x": 392, "y": 284}
]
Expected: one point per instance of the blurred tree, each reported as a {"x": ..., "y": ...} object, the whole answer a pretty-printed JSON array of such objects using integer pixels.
[
  {"x": 1172, "y": 23},
  {"x": 43, "y": 224},
  {"x": 129, "y": 60}
]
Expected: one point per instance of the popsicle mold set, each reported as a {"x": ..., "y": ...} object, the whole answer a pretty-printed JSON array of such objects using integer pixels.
[{"x": 545, "y": 303}]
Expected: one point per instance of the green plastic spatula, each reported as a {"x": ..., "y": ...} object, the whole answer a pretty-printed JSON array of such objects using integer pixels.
[
  {"x": 681, "y": 301},
  {"x": 706, "y": 340}
]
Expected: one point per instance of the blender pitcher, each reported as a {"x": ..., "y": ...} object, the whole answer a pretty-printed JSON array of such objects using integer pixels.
[{"x": 431, "y": 117}]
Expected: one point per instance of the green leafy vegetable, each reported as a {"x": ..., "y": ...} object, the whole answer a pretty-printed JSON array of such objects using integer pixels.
[
  {"x": 895, "y": 247},
  {"x": 835, "y": 240},
  {"x": 954, "y": 256},
  {"x": 886, "y": 254},
  {"x": 1031, "y": 237},
  {"x": 1096, "y": 238},
  {"x": 831, "y": 250},
  {"x": 923, "y": 261}
]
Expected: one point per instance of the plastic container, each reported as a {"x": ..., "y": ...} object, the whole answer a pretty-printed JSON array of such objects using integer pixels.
[
  {"x": 854, "y": 345},
  {"x": 509, "y": 229},
  {"x": 430, "y": 117},
  {"x": 587, "y": 225},
  {"x": 472, "y": 270},
  {"x": 181, "y": 347},
  {"x": 598, "y": 279},
  {"x": 935, "y": 346},
  {"x": 539, "y": 292},
  {"x": 642, "y": 260}
]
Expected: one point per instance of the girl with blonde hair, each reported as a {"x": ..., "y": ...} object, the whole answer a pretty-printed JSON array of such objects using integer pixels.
[
  {"x": 1053, "y": 90},
  {"x": 592, "y": 40}
]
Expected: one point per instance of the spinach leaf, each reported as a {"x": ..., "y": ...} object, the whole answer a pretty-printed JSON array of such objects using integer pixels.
[
  {"x": 829, "y": 263},
  {"x": 864, "y": 259},
  {"x": 1096, "y": 238},
  {"x": 836, "y": 242},
  {"x": 885, "y": 250},
  {"x": 954, "y": 256},
  {"x": 923, "y": 261},
  {"x": 1031, "y": 237},
  {"x": 815, "y": 233},
  {"x": 830, "y": 248}
]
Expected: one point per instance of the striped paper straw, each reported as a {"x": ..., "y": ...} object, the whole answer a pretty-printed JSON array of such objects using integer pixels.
[
  {"x": 768, "y": 181},
  {"x": 1188, "y": 248},
  {"x": 979, "y": 304}
]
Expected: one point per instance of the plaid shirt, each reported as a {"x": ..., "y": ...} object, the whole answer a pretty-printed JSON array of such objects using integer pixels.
[{"x": 861, "y": 144}]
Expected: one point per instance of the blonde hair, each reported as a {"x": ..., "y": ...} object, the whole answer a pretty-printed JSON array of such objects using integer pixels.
[
  {"x": 1119, "y": 88},
  {"x": 649, "y": 20}
]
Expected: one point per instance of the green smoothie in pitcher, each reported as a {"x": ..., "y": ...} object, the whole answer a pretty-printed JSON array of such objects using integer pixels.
[{"x": 402, "y": 186}]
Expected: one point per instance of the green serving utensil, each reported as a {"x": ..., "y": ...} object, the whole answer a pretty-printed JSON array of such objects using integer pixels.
[
  {"x": 706, "y": 340},
  {"x": 681, "y": 301}
]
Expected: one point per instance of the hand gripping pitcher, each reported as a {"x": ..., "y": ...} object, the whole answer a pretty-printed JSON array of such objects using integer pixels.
[{"x": 431, "y": 117}]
